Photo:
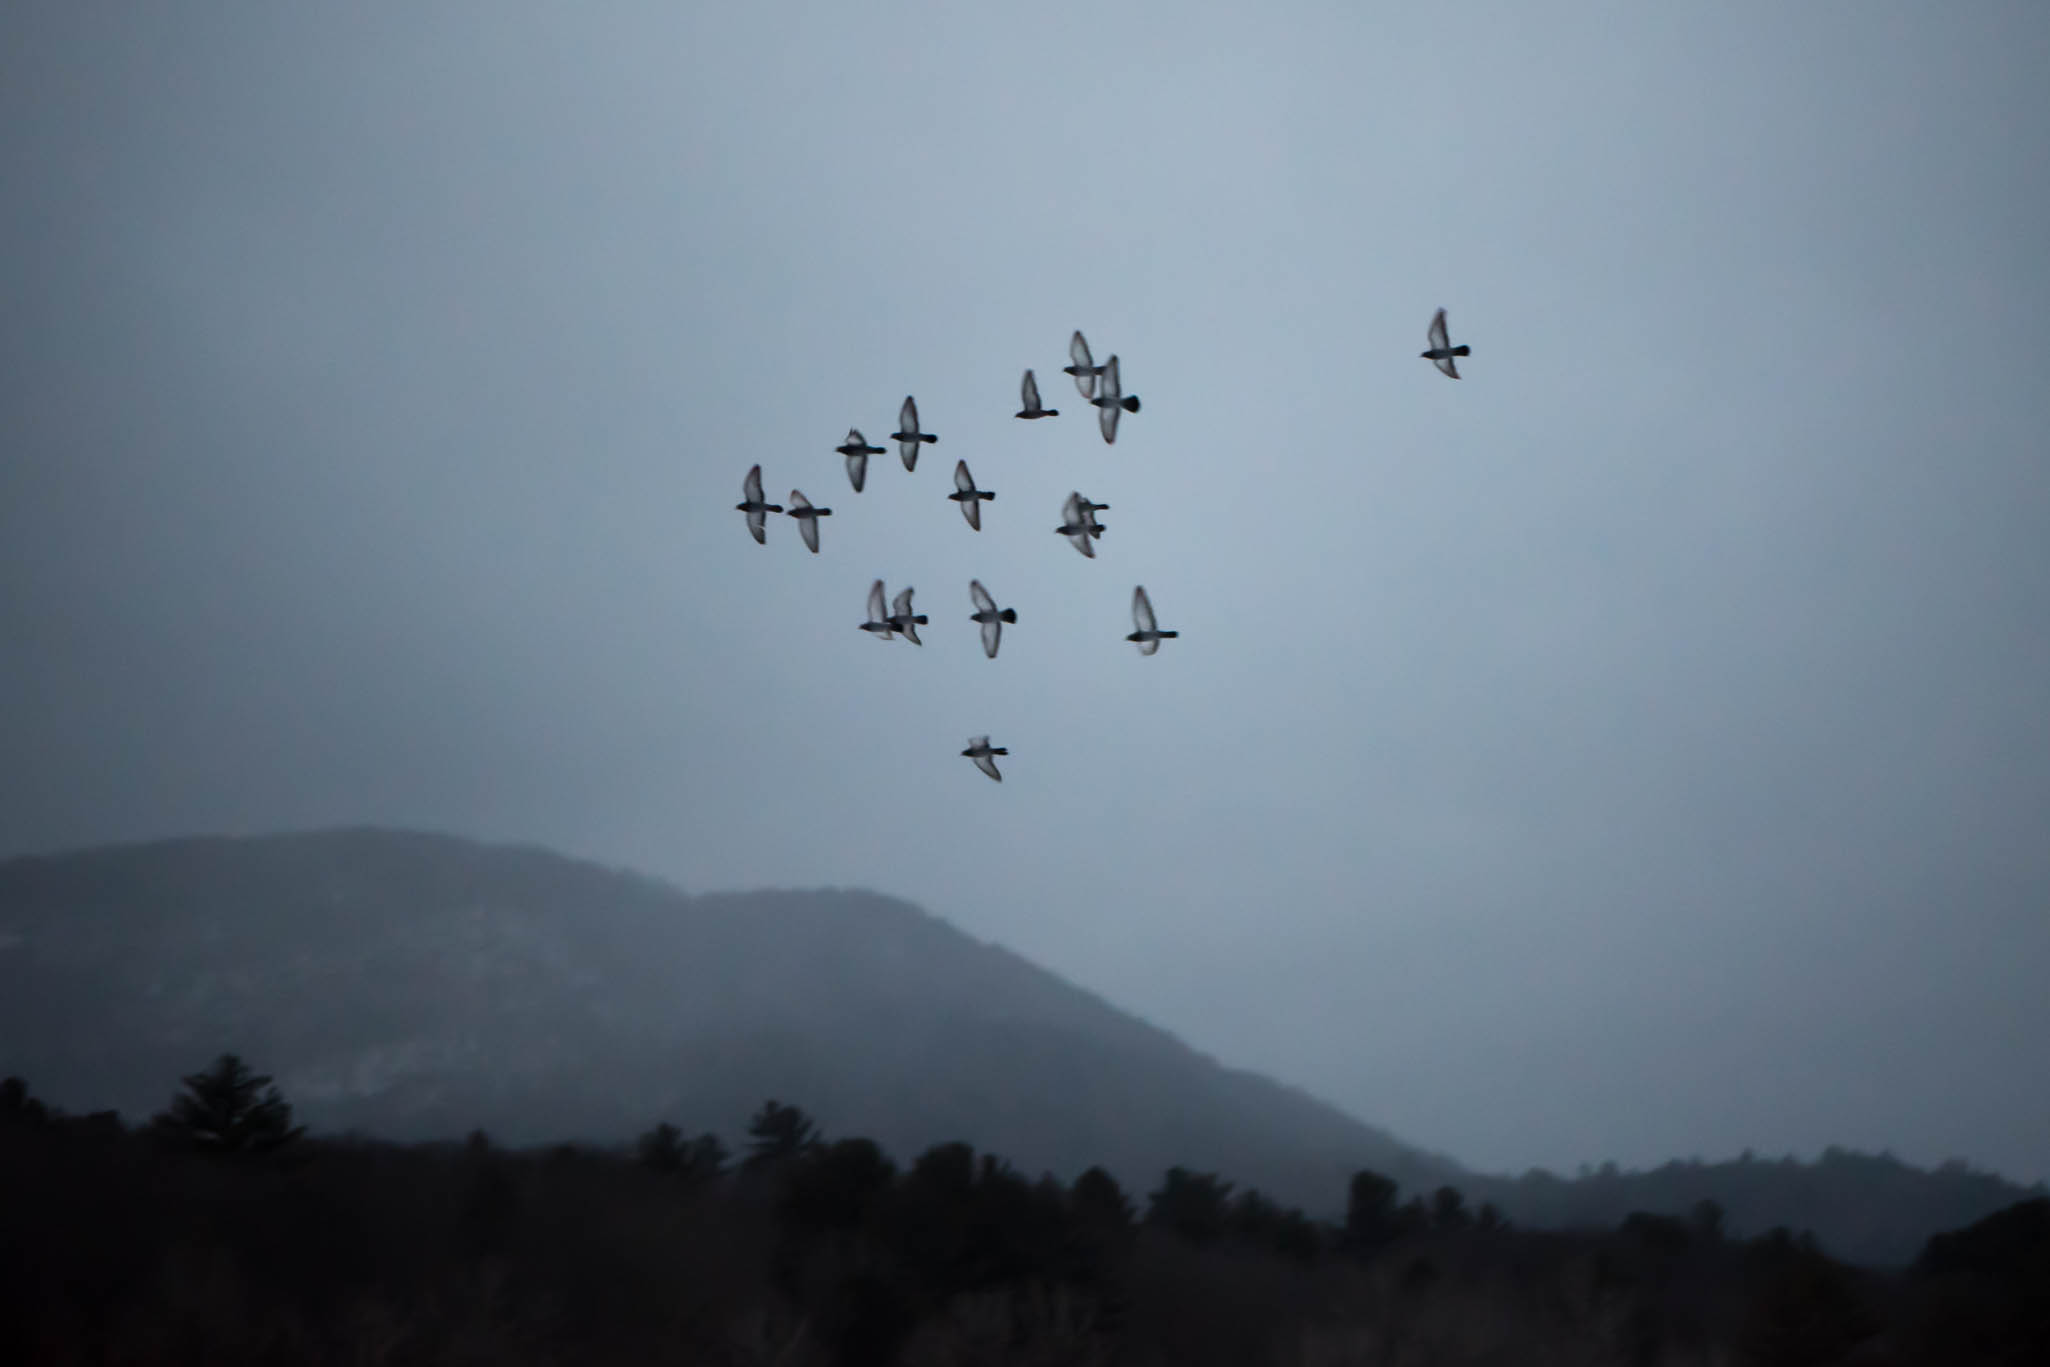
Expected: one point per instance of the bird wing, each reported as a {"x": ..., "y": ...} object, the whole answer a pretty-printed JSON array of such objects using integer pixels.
[
  {"x": 1030, "y": 391},
  {"x": 1107, "y": 419},
  {"x": 1149, "y": 645},
  {"x": 798, "y": 501},
  {"x": 971, "y": 508},
  {"x": 980, "y": 597},
  {"x": 1142, "y": 610},
  {"x": 907, "y": 416},
  {"x": 1445, "y": 363},
  {"x": 1072, "y": 512},
  {"x": 992, "y": 633},
  {"x": 758, "y": 523},
  {"x": 876, "y": 613},
  {"x": 900, "y": 606},
  {"x": 963, "y": 481},
  {"x": 808, "y": 527},
  {"x": 751, "y": 487},
  {"x": 857, "y": 469},
  {"x": 988, "y": 765},
  {"x": 1082, "y": 543},
  {"x": 1439, "y": 339}
]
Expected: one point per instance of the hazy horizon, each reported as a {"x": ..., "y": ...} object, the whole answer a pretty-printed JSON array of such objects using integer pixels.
[{"x": 1633, "y": 750}]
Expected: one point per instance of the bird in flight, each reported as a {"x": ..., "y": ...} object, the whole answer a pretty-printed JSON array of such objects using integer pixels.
[
  {"x": 1082, "y": 368},
  {"x": 1079, "y": 525},
  {"x": 902, "y": 619},
  {"x": 1029, "y": 391},
  {"x": 967, "y": 495},
  {"x": 907, "y": 436},
  {"x": 987, "y": 613},
  {"x": 878, "y": 623},
  {"x": 1442, "y": 351},
  {"x": 807, "y": 519},
  {"x": 979, "y": 749},
  {"x": 857, "y": 450},
  {"x": 1111, "y": 400},
  {"x": 757, "y": 511},
  {"x": 1149, "y": 635}
]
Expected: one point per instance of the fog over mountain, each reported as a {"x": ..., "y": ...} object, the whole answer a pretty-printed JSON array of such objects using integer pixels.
[
  {"x": 415, "y": 986},
  {"x": 1634, "y": 749}
]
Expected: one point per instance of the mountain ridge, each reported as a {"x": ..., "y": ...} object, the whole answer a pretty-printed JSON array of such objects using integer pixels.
[{"x": 423, "y": 985}]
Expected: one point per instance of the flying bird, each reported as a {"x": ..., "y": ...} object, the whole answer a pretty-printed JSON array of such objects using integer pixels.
[
  {"x": 1442, "y": 351},
  {"x": 967, "y": 495},
  {"x": 900, "y": 617},
  {"x": 979, "y": 749},
  {"x": 857, "y": 450},
  {"x": 1033, "y": 409},
  {"x": 1083, "y": 368},
  {"x": 807, "y": 519},
  {"x": 907, "y": 436},
  {"x": 987, "y": 613},
  {"x": 757, "y": 511},
  {"x": 1149, "y": 635},
  {"x": 1111, "y": 400},
  {"x": 1078, "y": 524},
  {"x": 878, "y": 623}
]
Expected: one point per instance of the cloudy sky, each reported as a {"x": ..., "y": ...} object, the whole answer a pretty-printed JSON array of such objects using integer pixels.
[{"x": 1636, "y": 749}]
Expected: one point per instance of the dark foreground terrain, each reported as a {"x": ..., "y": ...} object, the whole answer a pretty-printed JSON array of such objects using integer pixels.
[{"x": 219, "y": 1234}]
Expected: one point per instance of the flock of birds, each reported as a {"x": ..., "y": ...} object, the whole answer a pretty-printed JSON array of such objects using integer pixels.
[{"x": 1103, "y": 387}]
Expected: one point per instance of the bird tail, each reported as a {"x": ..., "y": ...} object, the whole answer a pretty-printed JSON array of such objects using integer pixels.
[
  {"x": 927, "y": 436},
  {"x": 1132, "y": 403},
  {"x": 1167, "y": 635},
  {"x": 1462, "y": 351},
  {"x": 921, "y": 619},
  {"x": 1009, "y": 614},
  {"x": 988, "y": 495}
]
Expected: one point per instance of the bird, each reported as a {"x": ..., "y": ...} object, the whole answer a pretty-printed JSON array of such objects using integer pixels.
[
  {"x": 878, "y": 623},
  {"x": 980, "y": 750},
  {"x": 1442, "y": 351},
  {"x": 1032, "y": 409},
  {"x": 900, "y": 617},
  {"x": 757, "y": 511},
  {"x": 1089, "y": 511},
  {"x": 807, "y": 519},
  {"x": 1110, "y": 400},
  {"x": 857, "y": 450},
  {"x": 907, "y": 436},
  {"x": 1149, "y": 635},
  {"x": 1079, "y": 525},
  {"x": 987, "y": 613},
  {"x": 967, "y": 495},
  {"x": 1083, "y": 368}
]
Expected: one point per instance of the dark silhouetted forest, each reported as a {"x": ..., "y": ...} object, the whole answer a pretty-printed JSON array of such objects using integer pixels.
[{"x": 220, "y": 1233}]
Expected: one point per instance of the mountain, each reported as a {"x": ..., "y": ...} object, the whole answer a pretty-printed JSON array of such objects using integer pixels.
[{"x": 418, "y": 986}]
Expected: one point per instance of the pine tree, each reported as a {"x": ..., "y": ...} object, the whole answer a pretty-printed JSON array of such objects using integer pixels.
[{"x": 229, "y": 1109}]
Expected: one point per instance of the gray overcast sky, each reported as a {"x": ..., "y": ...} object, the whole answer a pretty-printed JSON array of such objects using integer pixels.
[{"x": 1636, "y": 749}]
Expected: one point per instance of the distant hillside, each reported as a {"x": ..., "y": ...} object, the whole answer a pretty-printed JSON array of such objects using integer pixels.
[{"x": 417, "y": 986}]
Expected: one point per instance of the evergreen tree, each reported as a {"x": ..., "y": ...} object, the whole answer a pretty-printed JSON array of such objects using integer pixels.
[
  {"x": 777, "y": 1134},
  {"x": 228, "y": 1109},
  {"x": 1369, "y": 1212},
  {"x": 1191, "y": 1204}
]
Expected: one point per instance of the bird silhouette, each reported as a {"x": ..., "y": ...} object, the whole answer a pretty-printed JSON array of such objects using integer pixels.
[
  {"x": 1078, "y": 525},
  {"x": 968, "y": 496},
  {"x": 1442, "y": 351},
  {"x": 807, "y": 519},
  {"x": 991, "y": 618},
  {"x": 1111, "y": 400},
  {"x": 980, "y": 750},
  {"x": 1081, "y": 366},
  {"x": 757, "y": 511},
  {"x": 857, "y": 450},
  {"x": 907, "y": 436},
  {"x": 1029, "y": 391},
  {"x": 901, "y": 617},
  {"x": 878, "y": 623},
  {"x": 1149, "y": 635}
]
